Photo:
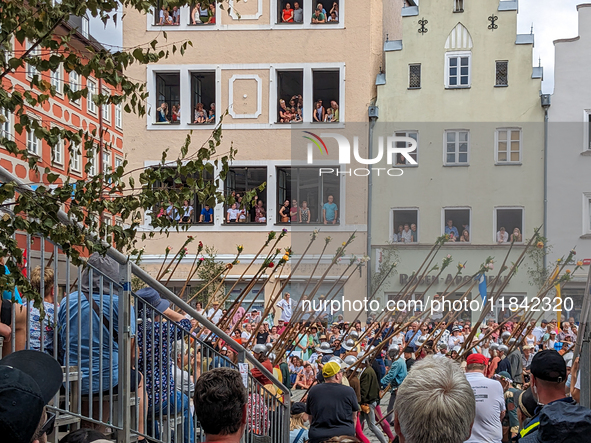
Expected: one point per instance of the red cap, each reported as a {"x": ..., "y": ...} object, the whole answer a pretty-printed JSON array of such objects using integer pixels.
[{"x": 477, "y": 359}]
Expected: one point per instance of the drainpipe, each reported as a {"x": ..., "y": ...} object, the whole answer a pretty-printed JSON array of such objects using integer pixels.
[
  {"x": 372, "y": 112},
  {"x": 100, "y": 150},
  {"x": 545, "y": 102}
]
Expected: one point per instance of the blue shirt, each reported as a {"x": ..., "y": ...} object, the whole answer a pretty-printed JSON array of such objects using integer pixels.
[
  {"x": 453, "y": 229},
  {"x": 7, "y": 295},
  {"x": 330, "y": 209},
  {"x": 110, "y": 368},
  {"x": 407, "y": 337},
  {"x": 207, "y": 214},
  {"x": 395, "y": 375}
]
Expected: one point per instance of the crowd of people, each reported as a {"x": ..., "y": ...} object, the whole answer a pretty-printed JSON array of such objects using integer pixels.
[
  {"x": 200, "y": 116},
  {"x": 291, "y": 111},
  {"x": 201, "y": 14},
  {"x": 296, "y": 14}
]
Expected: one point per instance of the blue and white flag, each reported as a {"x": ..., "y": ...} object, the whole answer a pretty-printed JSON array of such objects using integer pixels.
[{"x": 481, "y": 278}]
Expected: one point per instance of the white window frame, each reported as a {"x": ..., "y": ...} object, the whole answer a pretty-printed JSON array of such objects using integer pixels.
[
  {"x": 57, "y": 153},
  {"x": 75, "y": 158},
  {"x": 75, "y": 85},
  {"x": 107, "y": 166},
  {"x": 406, "y": 133},
  {"x": 118, "y": 161},
  {"x": 56, "y": 79},
  {"x": 496, "y": 227},
  {"x": 85, "y": 27},
  {"x": 91, "y": 85},
  {"x": 457, "y": 55},
  {"x": 586, "y": 130},
  {"x": 393, "y": 228},
  {"x": 6, "y": 127},
  {"x": 33, "y": 143},
  {"x": 509, "y": 131},
  {"x": 587, "y": 213},
  {"x": 106, "y": 107},
  {"x": 119, "y": 116},
  {"x": 92, "y": 171},
  {"x": 444, "y": 222},
  {"x": 457, "y": 151},
  {"x": 32, "y": 70}
]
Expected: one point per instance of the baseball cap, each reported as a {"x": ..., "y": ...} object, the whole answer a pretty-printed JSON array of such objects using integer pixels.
[
  {"x": 544, "y": 322},
  {"x": 331, "y": 369},
  {"x": 151, "y": 297},
  {"x": 476, "y": 359},
  {"x": 504, "y": 375},
  {"x": 28, "y": 381},
  {"x": 549, "y": 365}
]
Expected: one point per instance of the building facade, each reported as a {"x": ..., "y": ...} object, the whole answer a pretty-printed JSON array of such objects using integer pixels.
[
  {"x": 249, "y": 62},
  {"x": 461, "y": 84},
  {"x": 569, "y": 154}
]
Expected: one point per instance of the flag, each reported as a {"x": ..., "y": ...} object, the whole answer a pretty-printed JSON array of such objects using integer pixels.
[{"x": 481, "y": 278}]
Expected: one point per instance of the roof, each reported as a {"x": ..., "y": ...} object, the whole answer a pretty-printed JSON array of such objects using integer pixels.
[
  {"x": 75, "y": 23},
  {"x": 538, "y": 72},
  {"x": 511, "y": 5},
  {"x": 524, "y": 39},
  {"x": 410, "y": 11},
  {"x": 381, "y": 79},
  {"x": 392, "y": 45}
]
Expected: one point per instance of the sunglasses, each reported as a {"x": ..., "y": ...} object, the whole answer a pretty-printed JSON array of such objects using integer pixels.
[{"x": 49, "y": 424}]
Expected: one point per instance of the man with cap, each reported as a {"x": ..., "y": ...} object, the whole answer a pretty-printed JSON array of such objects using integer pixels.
[
  {"x": 370, "y": 397},
  {"x": 28, "y": 382},
  {"x": 214, "y": 314},
  {"x": 490, "y": 402},
  {"x": 394, "y": 378},
  {"x": 539, "y": 331},
  {"x": 409, "y": 357},
  {"x": 510, "y": 421},
  {"x": 548, "y": 380},
  {"x": 331, "y": 406}
]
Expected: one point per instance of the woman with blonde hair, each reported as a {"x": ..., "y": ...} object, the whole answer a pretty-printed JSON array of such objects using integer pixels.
[
  {"x": 516, "y": 236},
  {"x": 298, "y": 431}
]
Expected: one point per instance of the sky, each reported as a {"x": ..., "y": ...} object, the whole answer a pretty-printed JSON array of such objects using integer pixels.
[{"x": 552, "y": 19}]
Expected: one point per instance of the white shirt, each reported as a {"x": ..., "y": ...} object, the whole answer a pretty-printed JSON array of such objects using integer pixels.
[
  {"x": 245, "y": 336},
  {"x": 285, "y": 310},
  {"x": 234, "y": 213},
  {"x": 502, "y": 237},
  {"x": 539, "y": 333},
  {"x": 406, "y": 236},
  {"x": 490, "y": 402},
  {"x": 217, "y": 317},
  {"x": 182, "y": 380}
]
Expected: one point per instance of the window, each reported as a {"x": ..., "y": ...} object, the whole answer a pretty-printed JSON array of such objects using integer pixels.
[
  {"x": 502, "y": 73},
  {"x": 56, "y": 79},
  {"x": 107, "y": 168},
  {"x": 457, "y": 225},
  {"x": 458, "y": 70},
  {"x": 119, "y": 116},
  {"x": 200, "y": 14},
  {"x": 289, "y": 93},
  {"x": 74, "y": 84},
  {"x": 32, "y": 142},
  {"x": 325, "y": 89},
  {"x": 508, "y": 225},
  {"x": 85, "y": 30},
  {"x": 400, "y": 160},
  {"x": 323, "y": 15},
  {"x": 90, "y": 104},
  {"x": 202, "y": 99},
  {"x": 414, "y": 76},
  {"x": 32, "y": 70},
  {"x": 508, "y": 145},
  {"x": 5, "y": 127},
  {"x": 57, "y": 153},
  {"x": 456, "y": 147},
  {"x": 167, "y": 96},
  {"x": 293, "y": 15},
  {"x": 405, "y": 226},
  {"x": 118, "y": 162},
  {"x": 458, "y": 5},
  {"x": 305, "y": 185},
  {"x": 107, "y": 222},
  {"x": 106, "y": 107},
  {"x": 75, "y": 158},
  {"x": 238, "y": 181},
  {"x": 92, "y": 169}
]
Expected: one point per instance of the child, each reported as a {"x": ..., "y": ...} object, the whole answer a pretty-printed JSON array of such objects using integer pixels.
[
  {"x": 328, "y": 117},
  {"x": 201, "y": 117},
  {"x": 211, "y": 118}
]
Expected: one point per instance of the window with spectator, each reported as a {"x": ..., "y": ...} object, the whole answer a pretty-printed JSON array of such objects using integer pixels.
[
  {"x": 508, "y": 225},
  {"x": 307, "y": 194},
  {"x": 203, "y": 98},
  {"x": 289, "y": 93},
  {"x": 457, "y": 225},
  {"x": 290, "y": 12},
  {"x": 326, "y": 90},
  {"x": 167, "y": 96},
  {"x": 238, "y": 182},
  {"x": 325, "y": 12},
  {"x": 404, "y": 226},
  {"x": 165, "y": 15},
  {"x": 400, "y": 159},
  {"x": 202, "y": 13}
]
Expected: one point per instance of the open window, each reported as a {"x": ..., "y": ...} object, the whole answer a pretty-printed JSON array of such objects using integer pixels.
[
  {"x": 326, "y": 93},
  {"x": 202, "y": 14},
  {"x": 456, "y": 224},
  {"x": 325, "y": 11},
  {"x": 167, "y": 97},
  {"x": 508, "y": 225},
  {"x": 312, "y": 196},
  {"x": 289, "y": 92},
  {"x": 290, "y": 11},
  {"x": 202, "y": 98},
  {"x": 400, "y": 159},
  {"x": 165, "y": 15},
  {"x": 239, "y": 181},
  {"x": 405, "y": 226}
]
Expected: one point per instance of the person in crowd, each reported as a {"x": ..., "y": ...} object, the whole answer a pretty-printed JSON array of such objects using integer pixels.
[
  {"x": 247, "y": 333},
  {"x": 516, "y": 236},
  {"x": 7, "y": 294},
  {"x": 287, "y": 14},
  {"x": 435, "y": 403},
  {"x": 298, "y": 430},
  {"x": 370, "y": 397},
  {"x": 203, "y": 12},
  {"x": 329, "y": 117},
  {"x": 465, "y": 238},
  {"x": 331, "y": 406},
  {"x": 397, "y": 237},
  {"x": 510, "y": 422},
  {"x": 162, "y": 111},
  {"x": 502, "y": 236},
  {"x": 284, "y": 113},
  {"x": 211, "y": 14},
  {"x": 187, "y": 212},
  {"x": 221, "y": 405},
  {"x": 260, "y": 213},
  {"x": 168, "y": 18},
  {"x": 304, "y": 212},
  {"x": 174, "y": 114},
  {"x": 232, "y": 214},
  {"x": 318, "y": 109},
  {"x": 286, "y": 310},
  {"x": 414, "y": 234},
  {"x": 211, "y": 113},
  {"x": 335, "y": 10},
  {"x": 206, "y": 215},
  {"x": 504, "y": 363},
  {"x": 514, "y": 359},
  {"x": 36, "y": 325},
  {"x": 215, "y": 313},
  {"x": 28, "y": 382},
  {"x": 161, "y": 15},
  {"x": 183, "y": 380},
  {"x": 84, "y": 435},
  {"x": 406, "y": 236},
  {"x": 173, "y": 213},
  {"x": 260, "y": 353},
  {"x": 195, "y": 15},
  {"x": 333, "y": 17},
  {"x": 330, "y": 211},
  {"x": 294, "y": 212},
  {"x": 318, "y": 16},
  {"x": 262, "y": 336},
  {"x": 306, "y": 377},
  {"x": 451, "y": 229},
  {"x": 335, "y": 109},
  {"x": 298, "y": 13},
  {"x": 284, "y": 212},
  {"x": 412, "y": 334},
  {"x": 490, "y": 402},
  {"x": 394, "y": 378}
]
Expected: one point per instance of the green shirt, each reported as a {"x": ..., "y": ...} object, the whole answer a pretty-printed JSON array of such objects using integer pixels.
[{"x": 320, "y": 17}]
